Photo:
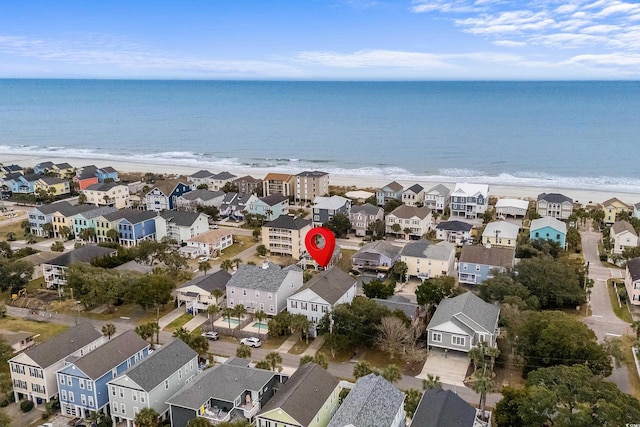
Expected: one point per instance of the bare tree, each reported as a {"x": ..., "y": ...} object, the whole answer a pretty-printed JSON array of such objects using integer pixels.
[{"x": 393, "y": 337}]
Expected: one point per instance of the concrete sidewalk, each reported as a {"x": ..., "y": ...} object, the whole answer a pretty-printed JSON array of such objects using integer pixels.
[
  {"x": 195, "y": 322},
  {"x": 314, "y": 346},
  {"x": 171, "y": 316},
  {"x": 288, "y": 344}
]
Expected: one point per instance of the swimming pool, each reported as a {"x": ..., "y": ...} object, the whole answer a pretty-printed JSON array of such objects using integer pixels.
[
  {"x": 232, "y": 320},
  {"x": 260, "y": 325}
]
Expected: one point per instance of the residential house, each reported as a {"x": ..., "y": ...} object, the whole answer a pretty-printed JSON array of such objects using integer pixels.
[
  {"x": 364, "y": 215},
  {"x": 135, "y": 226},
  {"x": 308, "y": 399},
  {"x": 41, "y": 215},
  {"x": 463, "y": 322},
  {"x": 437, "y": 198},
  {"x": 479, "y": 263},
  {"x": 325, "y": 208},
  {"x": 107, "y": 194},
  {"x": 82, "y": 383},
  {"x": 223, "y": 393},
  {"x": 469, "y": 200},
  {"x": 63, "y": 170},
  {"x": 86, "y": 176},
  {"x": 87, "y": 220},
  {"x": 18, "y": 183},
  {"x": 311, "y": 184},
  {"x": 444, "y": 408},
  {"x": 413, "y": 222},
  {"x": 152, "y": 381},
  {"x": 285, "y": 235},
  {"x": 63, "y": 217},
  {"x": 391, "y": 191},
  {"x": 248, "y": 185},
  {"x": 196, "y": 293},
  {"x": 413, "y": 196},
  {"x": 51, "y": 185},
  {"x": 398, "y": 302},
  {"x": 631, "y": 281},
  {"x": 623, "y": 236},
  {"x": 511, "y": 207},
  {"x": 636, "y": 210},
  {"x": 199, "y": 198},
  {"x": 373, "y": 401},
  {"x": 209, "y": 243},
  {"x": 454, "y": 231},
  {"x": 19, "y": 340},
  {"x": 263, "y": 287},
  {"x": 271, "y": 207},
  {"x": 9, "y": 169},
  {"x": 424, "y": 259},
  {"x": 43, "y": 168},
  {"x": 55, "y": 269},
  {"x": 612, "y": 208},
  {"x": 219, "y": 180},
  {"x": 163, "y": 196},
  {"x": 180, "y": 226},
  {"x": 202, "y": 177},
  {"x": 278, "y": 183},
  {"x": 107, "y": 174},
  {"x": 359, "y": 196},
  {"x": 554, "y": 205},
  {"x": 549, "y": 228},
  {"x": 234, "y": 205},
  {"x": 33, "y": 372},
  {"x": 379, "y": 255},
  {"x": 320, "y": 294},
  {"x": 109, "y": 221},
  {"x": 500, "y": 233},
  {"x": 37, "y": 260}
]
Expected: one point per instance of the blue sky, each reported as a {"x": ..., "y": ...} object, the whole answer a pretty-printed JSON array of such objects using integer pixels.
[{"x": 321, "y": 39}]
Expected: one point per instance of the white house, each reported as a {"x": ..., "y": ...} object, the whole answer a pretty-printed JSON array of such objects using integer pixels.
[
  {"x": 469, "y": 200},
  {"x": 511, "y": 207},
  {"x": 107, "y": 194},
  {"x": 632, "y": 281},
  {"x": 362, "y": 216},
  {"x": 425, "y": 259},
  {"x": 413, "y": 195},
  {"x": 554, "y": 205},
  {"x": 180, "y": 226},
  {"x": 500, "y": 233},
  {"x": 191, "y": 200},
  {"x": 623, "y": 236},
  {"x": 196, "y": 294},
  {"x": 437, "y": 198},
  {"x": 454, "y": 231},
  {"x": 325, "y": 208},
  {"x": 417, "y": 220},
  {"x": 320, "y": 294},
  {"x": 209, "y": 243}
]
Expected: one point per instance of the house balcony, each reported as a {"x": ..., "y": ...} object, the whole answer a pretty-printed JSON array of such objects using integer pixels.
[
  {"x": 250, "y": 409},
  {"x": 216, "y": 415}
]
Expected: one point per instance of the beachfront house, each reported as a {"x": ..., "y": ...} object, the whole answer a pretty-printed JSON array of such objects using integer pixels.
[
  {"x": 469, "y": 200},
  {"x": 152, "y": 381},
  {"x": 223, "y": 393},
  {"x": 285, "y": 235},
  {"x": 51, "y": 185},
  {"x": 107, "y": 194},
  {"x": 325, "y": 208},
  {"x": 500, "y": 233},
  {"x": 42, "y": 168},
  {"x": 201, "y": 178},
  {"x": 278, "y": 183},
  {"x": 612, "y": 208},
  {"x": 82, "y": 383},
  {"x": 199, "y": 198},
  {"x": 554, "y": 205},
  {"x": 18, "y": 183},
  {"x": 623, "y": 236},
  {"x": 311, "y": 184},
  {"x": 33, "y": 372},
  {"x": 219, "y": 180},
  {"x": 425, "y": 259},
  {"x": 263, "y": 287},
  {"x": 308, "y": 398},
  {"x": 320, "y": 294},
  {"x": 208, "y": 244},
  {"x": 196, "y": 293},
  {"x": 410, "y": 221},
  {"x": 379, "y": 256},
  {"x": 549, "y": 228},
  {"x": 54, "y": 270},
  {"x": 270, "y": 207},
  {"x": 247, "y": 185},
  {"x": 180, "y": 226},
  {"x": 86, "y": 176},
  {"x": 361, "y": 216},
  {"x": 9, "y": 169},
  {"x": 234, "y": 205},
  {"x": 163, "y": 196},
  {"x": 632, "y": 280},
  {"x": 479, "y": 263},
  {"x": 457, "y": 232},
  {"x": 437, "y": 198},
  {"x": 413, "y": 195},
  {"x": 463, "y": 322},
  {"x": 391, "y": 191},
  {"x": 511, "y": 207},
  {"x": 107, "y": 174}
]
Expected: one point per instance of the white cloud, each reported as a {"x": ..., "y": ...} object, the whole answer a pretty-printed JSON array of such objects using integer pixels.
[
  {"x": 616, "y": 59},
  {"x": 374, "y": 59},
  {"x": 509, "y": 43}
]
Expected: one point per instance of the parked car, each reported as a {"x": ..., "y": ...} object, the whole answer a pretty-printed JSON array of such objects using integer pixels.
[
  {"x": 211, "y": 335},
  {"x": 251, "y": 342},
  {"x": 203, "y": 259}
]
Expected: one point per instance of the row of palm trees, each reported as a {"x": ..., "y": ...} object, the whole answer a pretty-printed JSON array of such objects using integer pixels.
[{"x": 237, "y": 312}]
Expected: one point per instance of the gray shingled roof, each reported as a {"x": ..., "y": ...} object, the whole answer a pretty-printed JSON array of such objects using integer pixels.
[
  {"x": 49, "y": 180},
  {"x": 394, "y": 186},
  {"x": 61, "y": 346},
  {"x": 330, "y": 284},
  {"x": 443, "y": 408},
  {"x": 44, "y": 165},
  {"x": 554, "y": 198},
  {"x": 274, "y": 199},
  {"x": 201, "y": 174},
  {"x": 135, "y": 216},
  {"x": 288, "y": 222},
  {"x": 180, "y": 218},
  {"x": 63, "y": 165},
  {"x": 622, "y": 225},
  {"x": 426, "y": 249},
  {"x": 96, "y": 212},
  {"x": 54, "y": 207},
  {"x": 202, "y": 195},
  {"x": 404, "y": 211},
  {"x": 304, "y": 393},
  {"x": 367, "y": 209},
  {"x": 222, "y": 382},
  {"x": 408, "y": 308},
  {"x": 498, "y": 257},
  {"x": 372, "y": 402},
  {"x": 380, "y": 247},
  {"x": 257, "y": 277},
  {"x": 224, "y": 176},
  {"x": 467, "y": 305},
  {"x": 160, "y": 364},
  {"x": 415, "y": 188},
  {"x": 85, "y": 254},
  {"x": 633, "y": 265},
  {"x": 103, "y": 186},
  {"x": 209, "y": 282},
  {"x": 312, "y": 173},
  {"x": 454, "y": 226},
  {"x": 109, "y": 355},
  {"x": 440, "y": 190},
  {"x": 69, "y": 210}
]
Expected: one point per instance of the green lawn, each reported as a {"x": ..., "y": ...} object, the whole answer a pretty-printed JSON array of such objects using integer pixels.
[
  {"x": 44, "y": 330},
  {"x": 244, "y": 242},
  {"x": 621, "y": 312},
  {"x": 178, "y": 323},
  {"x": 345, "y": 261}
]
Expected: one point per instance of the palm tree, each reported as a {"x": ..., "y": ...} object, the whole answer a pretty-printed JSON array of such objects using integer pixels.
[
  {"x": 109, "y": 330},
  {"x": 227, "y": 313},
  {"x": 25, "y": 225},
  {"x": 259, "y": 315},
  {"x": 319, "y": 359},
  {"x": 204, "y": 266},
  {"x": 199, "y": 422},
  {"x": 237, "y": 262},
  {"x": 493, "y": 353},
  {"x": 407, "y": 231},
  {"x": 47, "y": 229},
  {"x": 113, "y": 235},
  {"x": 147, "y": 417},
  {"x": 226, "y": 265},
  {"x": 183, "y": 334},
  {"x": 274, "y": 359},
  {"x": 64, "y": 231},
  {"x": 212, "y": 310},
  {"x": 243, "y": 351},
  {"x": 256, "y": 234},
  {"x": 483, "y": 385},
  {"x": 217, "y": 294},
  {"x": 391, "y": 373},
  {"x": 154, "y": 328},
  {"x": 300, "y": 323},
  {"x": 143, "y": 331},
  {"x": 431, "y": 382},
  {"x": 476, "y": 354},
  {"x": 106, "y": 199},
  {"x": 362, "y": 369},
  {"x": 239, "y": 311}
]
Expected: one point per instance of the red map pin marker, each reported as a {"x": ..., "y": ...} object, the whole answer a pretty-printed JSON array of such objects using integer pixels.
[{"x": 322, "y": 255}]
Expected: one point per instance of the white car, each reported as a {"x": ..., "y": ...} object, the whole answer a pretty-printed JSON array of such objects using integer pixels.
[
  {"x": 211, "y": 335},
  {"x": 251, "y": 342},
  {"x": 203, "y": 259}
]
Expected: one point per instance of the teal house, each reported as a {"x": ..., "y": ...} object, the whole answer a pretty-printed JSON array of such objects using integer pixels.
[{"x": 549, "y": 228}]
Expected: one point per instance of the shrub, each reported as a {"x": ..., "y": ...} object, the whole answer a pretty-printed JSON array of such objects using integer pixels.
[
  {"x": 26, "y": 405},
  {"x": 4, "y": 403}
]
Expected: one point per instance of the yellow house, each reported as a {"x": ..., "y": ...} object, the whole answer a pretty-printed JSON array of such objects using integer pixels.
[
  {"x": 285, "y": 235},
  {"x": 63, "y": 170},
  {"x": 63, "y": 217},
  {"x": 56, "y": 186},
  {"x": 612, "y": 208},
  {"x": 500, "y": 233}
]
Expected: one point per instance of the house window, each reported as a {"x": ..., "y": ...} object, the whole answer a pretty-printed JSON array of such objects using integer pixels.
[
  {"x": 114, "y": 407},
  {"x": 83, "y": 399},
  {"x": 314, "y": 307},
  {"x": 455, "y": 340},
  {"x": 477, "y": 268},
  {"x": 261, "y": 306},
  {"x": 113, "y": 391},
  {"x": 244, "y": 292},
  {"x": 122, "y": 408},
  {"x": 121, "y": 391},
  {"x": 303, "y": 305},
  {"x": 269, "y": 296},
  {"x": 464, "y": 266},
  {"x": 166, "y": 384},
  {"x": 89, "y": 386},
  {"x": 436, "y": 337},
  {"x": 91, "y": 401},
  {"x": 257, "y": 294},
  {"x": 71, "y": 399},
  {"x": 271, "y": 308},
  {"x": 63, "y": 394},
  {"x": 294, "y": 304},
  {"x": 81, "y": 381}
]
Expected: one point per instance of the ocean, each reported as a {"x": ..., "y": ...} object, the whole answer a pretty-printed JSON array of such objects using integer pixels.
[{"x": 582, "y": 134}]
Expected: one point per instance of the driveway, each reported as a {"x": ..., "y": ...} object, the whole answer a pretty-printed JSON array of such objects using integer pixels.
[{"x": 451, "y": 368}]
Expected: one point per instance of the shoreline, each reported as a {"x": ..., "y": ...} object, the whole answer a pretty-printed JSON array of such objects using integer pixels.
[{"x": 579, "y": 195}]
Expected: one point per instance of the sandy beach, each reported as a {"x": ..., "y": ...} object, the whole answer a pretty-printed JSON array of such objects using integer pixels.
[{"x": 583, "y": 196}]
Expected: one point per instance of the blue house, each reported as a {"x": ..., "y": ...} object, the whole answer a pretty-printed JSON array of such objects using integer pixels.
[
  {"x": 19, "y": 183},
  {"x": 87, "y": 219},
  {"x": 164, "y": 195},
  {"x": 479, "y": 263},
  {"x": 82, "y": 383},
  {"x": 42, "y": 168},
  {"x": 271, "y": 207},
  {"x": 104, "y": 174},
  {"x": 136, "y": 226},
  {"x": 549, "y": 228}
]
